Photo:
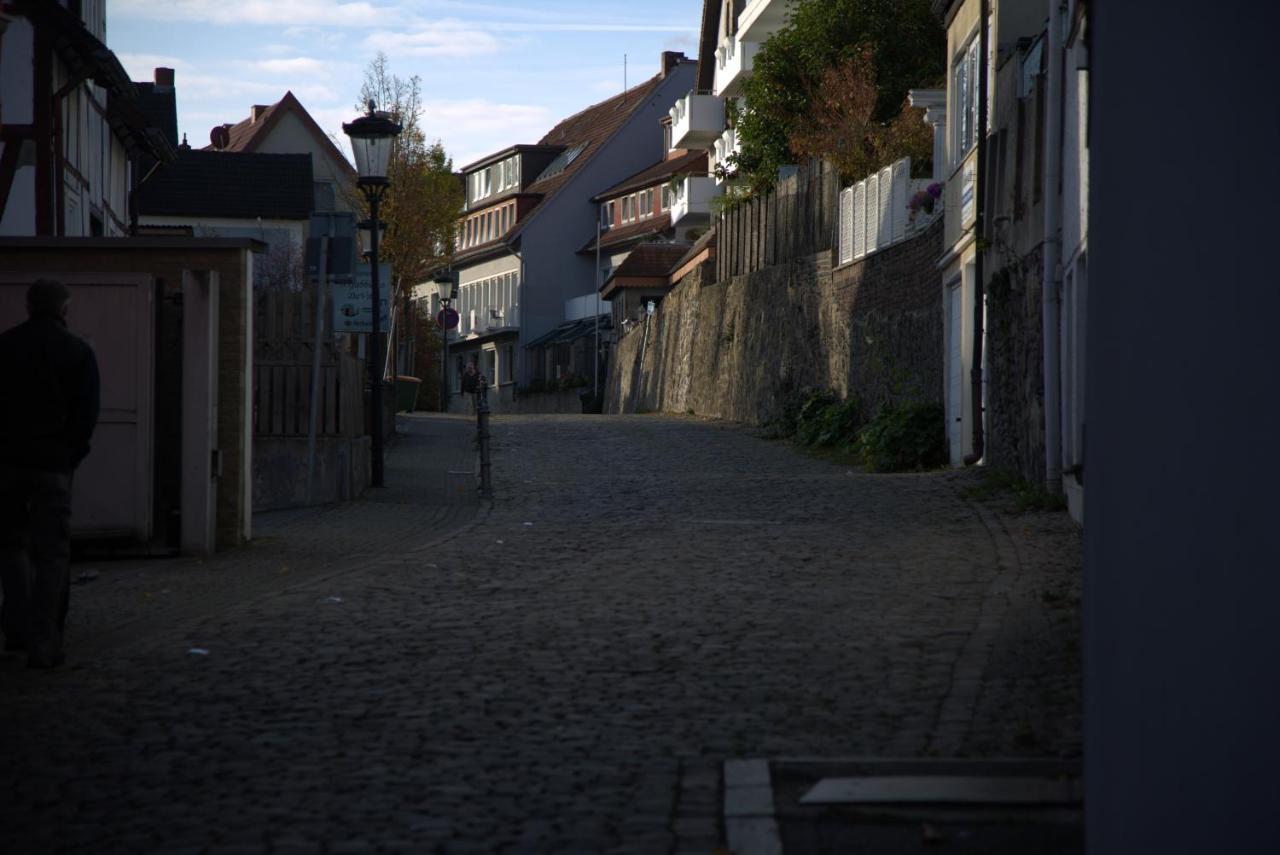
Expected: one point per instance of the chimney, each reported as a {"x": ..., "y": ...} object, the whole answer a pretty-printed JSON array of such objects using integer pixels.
[
  {"x": 670, "y": 59},
  {"x": 164, "y": 78},
  {"x": 256, "y": 112}
]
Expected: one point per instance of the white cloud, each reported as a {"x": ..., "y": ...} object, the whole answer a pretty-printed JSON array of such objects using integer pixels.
[
  {"x": 473, "y": 128},
  {"x": 348, "y": 13},
  {"x": 304, "y": 66},
  {"x": 446, "y": 38}
]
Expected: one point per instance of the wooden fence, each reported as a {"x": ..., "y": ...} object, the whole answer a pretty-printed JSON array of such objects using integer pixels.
[
  {"x": 798, "y": 218},
  {"x": 282, "y": 358}
]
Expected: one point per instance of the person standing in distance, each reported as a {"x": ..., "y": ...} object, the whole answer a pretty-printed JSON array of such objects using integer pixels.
[{"x": 48, "y": 410}]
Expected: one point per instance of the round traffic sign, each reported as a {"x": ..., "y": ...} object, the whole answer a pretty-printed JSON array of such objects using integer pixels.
[{"x": 447, "y": 319}]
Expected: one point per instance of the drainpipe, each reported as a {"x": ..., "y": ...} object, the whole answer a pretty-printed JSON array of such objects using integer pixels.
[
  {"x": 979, "y": 231},
  {"x": 1052, "y": 291}
]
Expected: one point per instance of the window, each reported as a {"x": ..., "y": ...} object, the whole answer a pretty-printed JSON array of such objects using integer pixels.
[
  {"x": 488, "y": 181},
  {"x": 561, "y": 162},
  {"x": 502, "y": 225},
  {"x": 666, "y": 138},
  {"x": 666, "y": 197},
  {"x": 964, "y": 86},
  {"x": 628, "y": 208}
]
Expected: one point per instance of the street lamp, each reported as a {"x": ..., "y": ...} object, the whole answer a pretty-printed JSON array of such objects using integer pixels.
[
  {"x": 372, "y": 136},
  {"x": 365, "y": 228},
  {"x": 447, "y": 288}
]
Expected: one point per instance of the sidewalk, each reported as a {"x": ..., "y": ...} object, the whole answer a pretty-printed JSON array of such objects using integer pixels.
[{"x": 430, "y": 493}]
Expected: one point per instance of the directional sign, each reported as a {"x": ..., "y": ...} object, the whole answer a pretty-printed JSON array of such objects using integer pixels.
[
  {"x": 352, "y": 297},
  {"x": 447, "y": 319}
]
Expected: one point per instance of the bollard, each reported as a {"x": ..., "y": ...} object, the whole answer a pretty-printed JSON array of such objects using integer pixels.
[{"x": 482, "y": 435}]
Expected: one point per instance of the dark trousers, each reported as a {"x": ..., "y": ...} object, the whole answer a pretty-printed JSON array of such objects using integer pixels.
[{"x": 35, "y": 555}]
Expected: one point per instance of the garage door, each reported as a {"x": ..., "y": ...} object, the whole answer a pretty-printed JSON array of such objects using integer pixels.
[{"x": 112, "y": 491}]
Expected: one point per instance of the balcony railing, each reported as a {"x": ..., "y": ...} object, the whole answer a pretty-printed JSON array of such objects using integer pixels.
[
  {"x": 762, "y": 18},
  {"x": 874, "y": 212},
  {"x": 725, "y": 146},
  {"x": 733, "y": 65},
  {"x": 696, "y": 120},
  {"x": 693, "y": 197},
  {"x": 488, "y": 319}
]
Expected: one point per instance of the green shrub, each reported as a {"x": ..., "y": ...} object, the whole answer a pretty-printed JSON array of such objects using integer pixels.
[
  {"x": 906, "y": 438},
  {"x": 810, "y": 417}
]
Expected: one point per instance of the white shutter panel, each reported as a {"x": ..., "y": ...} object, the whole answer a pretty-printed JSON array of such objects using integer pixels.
[
  {"x": 901, "y": 187},
  {"x": 846, "y": 225},
  {"x": 885, "y": 211},
  {"x": 873, "y": 213},
  {"x": 859, "y": 219}
]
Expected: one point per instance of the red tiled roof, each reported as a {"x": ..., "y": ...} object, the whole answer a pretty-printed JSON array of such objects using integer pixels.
[
  {"x": 247, "y": 135},
  {"x": 649, "y": 260},
  {"x": 693, "y": 161},
  {"x": 630, "y": 233}
]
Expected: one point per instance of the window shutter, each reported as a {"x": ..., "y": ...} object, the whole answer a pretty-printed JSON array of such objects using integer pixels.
[
  {"x": 873, "y": 212},
  {"x": 859, "y": 219},
  {"x": 901, "y": 186},
  {"x": 846, "y": 226}
]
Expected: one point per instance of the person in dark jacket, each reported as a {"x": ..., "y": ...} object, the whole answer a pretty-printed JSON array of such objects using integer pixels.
[{"x": 48, "y": 409}]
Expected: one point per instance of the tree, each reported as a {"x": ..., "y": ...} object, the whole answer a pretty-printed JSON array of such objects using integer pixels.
[
  {"x": 891, "y": 44},
  {"x": 422, "y": 205}
]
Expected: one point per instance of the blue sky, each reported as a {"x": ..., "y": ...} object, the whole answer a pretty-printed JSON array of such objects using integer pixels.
[{"x": 493, "y": 73}]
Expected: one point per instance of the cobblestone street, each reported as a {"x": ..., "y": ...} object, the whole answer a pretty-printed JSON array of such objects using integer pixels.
[{"x": 563, "y": 671}]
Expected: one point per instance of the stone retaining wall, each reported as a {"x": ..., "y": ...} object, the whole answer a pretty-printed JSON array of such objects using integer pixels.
[{"x": 741, "y": 348}]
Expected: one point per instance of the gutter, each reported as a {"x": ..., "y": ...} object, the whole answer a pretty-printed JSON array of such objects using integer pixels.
[
  {"x": 1051, "y": 292},
  {"x": 979, "y": 231}
]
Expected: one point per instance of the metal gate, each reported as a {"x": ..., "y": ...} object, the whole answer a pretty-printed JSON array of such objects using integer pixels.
[{"x": 115, "y": 313}]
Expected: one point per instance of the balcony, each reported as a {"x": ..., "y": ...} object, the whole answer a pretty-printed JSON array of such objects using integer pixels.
[
  {"x": 762, "y": 18},
  {"x": 733, "y": 66},
  {"x": 693, "y": 197},
  {"x": 696, "y": 121},
  {"x": 725, "y": 146},
  {"x": 477, "y": 322}
]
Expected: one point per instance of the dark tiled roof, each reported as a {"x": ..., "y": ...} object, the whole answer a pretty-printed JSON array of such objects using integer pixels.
[
  {"x": 230, "y": 184},
  {"x": 630, "y": 233},
  {"x": 160, "y": 109},
  {"x": 694, "y": 161},
  {"x": 653, "y": 260},
  {"x": 590, "y": 129}
]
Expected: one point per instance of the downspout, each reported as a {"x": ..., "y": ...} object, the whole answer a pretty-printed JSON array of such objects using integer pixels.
[
  {"x": 979, "y": 232},
  {"x": 1052, "y": 290}
]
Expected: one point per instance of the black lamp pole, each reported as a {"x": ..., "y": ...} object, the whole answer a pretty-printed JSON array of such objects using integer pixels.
[
  {"x": 373, "y": 192},
  {"x": 371, "y": 139}
]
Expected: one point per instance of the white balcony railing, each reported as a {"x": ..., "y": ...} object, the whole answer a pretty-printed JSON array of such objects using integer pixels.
[
  {"x": 875, "y": 212},
  {"x": 719, "y": 155},
  {"x": 696, "y": 120},
  {"x": 693, "y": 197},
  {"x": 762, "y": 18},
  {"x": 488, "y": 319},
  {"x": 733, "y": 65}
]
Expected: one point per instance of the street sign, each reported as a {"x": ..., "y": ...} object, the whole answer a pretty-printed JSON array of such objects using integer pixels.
[
  {"x": 352, "y": 297},
  {"x": 447, "y": 319}
]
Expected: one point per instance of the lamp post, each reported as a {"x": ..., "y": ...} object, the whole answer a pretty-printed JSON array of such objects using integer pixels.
[
  {"x": 447, "y": 287},
  {"x": 371, "y": 138}
]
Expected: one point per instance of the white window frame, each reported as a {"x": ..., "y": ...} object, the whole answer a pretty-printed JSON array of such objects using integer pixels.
[
  {"x": 964, "y": 85},
  {"x": 666, "y": 198}
]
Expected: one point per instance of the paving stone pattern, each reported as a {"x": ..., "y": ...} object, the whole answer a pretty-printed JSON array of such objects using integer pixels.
[{"x": 565, "y": 672}]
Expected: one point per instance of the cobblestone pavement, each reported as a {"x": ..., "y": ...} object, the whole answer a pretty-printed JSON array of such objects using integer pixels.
[{"x": 646, "y": 598}]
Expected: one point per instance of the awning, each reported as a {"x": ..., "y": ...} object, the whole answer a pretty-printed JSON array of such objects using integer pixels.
[{"x": 572, "y": 331}]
